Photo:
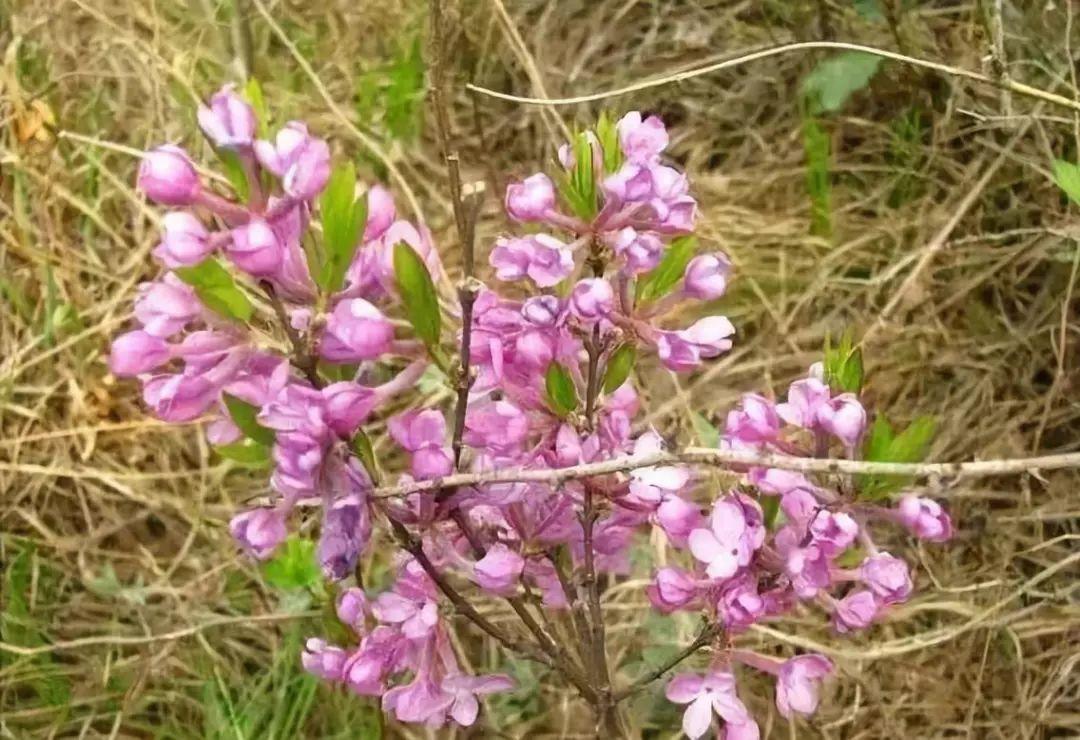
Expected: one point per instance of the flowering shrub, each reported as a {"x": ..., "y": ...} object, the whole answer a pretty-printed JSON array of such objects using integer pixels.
[{"x": 289, "y": 338}]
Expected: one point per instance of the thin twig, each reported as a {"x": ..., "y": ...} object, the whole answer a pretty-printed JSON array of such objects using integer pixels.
[
  {"x": 302, "y": 358},
  {"x": 737, "y": 458},
  {"x": 708, "y": 632},
  {"x": 1010, "y": 84}
]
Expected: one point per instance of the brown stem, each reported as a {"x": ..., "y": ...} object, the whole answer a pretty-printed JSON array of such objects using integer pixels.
[
  {"x": 302, "y": 358},
  {"x": 708, "y": 632}
]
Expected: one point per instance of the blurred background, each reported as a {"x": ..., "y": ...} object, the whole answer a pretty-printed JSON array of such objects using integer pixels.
[{"x": 929, "y": 212}]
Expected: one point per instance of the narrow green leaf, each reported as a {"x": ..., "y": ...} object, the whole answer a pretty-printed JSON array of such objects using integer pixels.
[
  {"x": 770, "y": 510},
  {"x": 418, "y": 294},
  {"x": 608, "y": 135},
  {"x": 877, "y": 444},
  {"x": 851, "y": 557},
  {"x": 234, "y": 172},
  {"x": 1067, "y": 176},
  {"x": 579, "y": 187},
  {"x": 620, "y": 363},
  {"x": 361, "y": 445},
  {"x": 817, "y": 147},
  {"x": 561, "y": 392},
  {"x": 343, "y": 218},
  {"x": 883, "y": 445},
  {"x": 844, "y": 365},
  {"x": 246, "y": 452},
  {"x": 707, "y": 434},
  {"x": 245, "y": 416},
  {"x": 254, "y": 95},
  {"x": 215, "y": 287},
  {"x": 294, "y": 566},
  {"x": 666, "y": 275},
  {"x": 837, "y": 78}
]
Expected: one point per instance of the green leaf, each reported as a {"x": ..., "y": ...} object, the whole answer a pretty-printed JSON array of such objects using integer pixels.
[
  {"x": 666, "y": 275},
  {"x": 851, "y": 557},
  {"x": 254, "y": 95},
  {"x": 361, "y": 445},
  {"x": 869, "y": 9},
  {"x": 294, "y": 566},
  {"x": 844, "y": 365},
  {"x": 343, "y": 219},
  {"x": 608, "y": 135},
  {"x": 561, "y": 392},
  {"x": 770, "y": 510},
  {"x": 707, "y": 434},
  {"x": 246, "y": 452},
  {"x": 215, "y": 287},
  {"x": 245, "y": 416},
  {"x": 1067, "y": 176},
  {"x": 234, "y": 172},
  {"x": 619, "y": 364},
  {"x": 405, "y": 92},
  {"x": 817, "y": 147},
  {"x": 835, "y": 79},
  {"x": 578, "y": 189},
  {"x": 418, "y": 294},
  {"x": 883, "y": 445}
]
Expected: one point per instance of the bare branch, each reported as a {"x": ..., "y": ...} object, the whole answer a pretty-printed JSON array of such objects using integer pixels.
[{"x": 708, "y": 632}]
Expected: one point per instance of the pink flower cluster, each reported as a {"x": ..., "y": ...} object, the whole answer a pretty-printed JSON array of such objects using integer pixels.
[{"x": 600, "y": 288}]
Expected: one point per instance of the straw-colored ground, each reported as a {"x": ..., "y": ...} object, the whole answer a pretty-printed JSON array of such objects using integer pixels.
[{"x": 952, "y": 251}]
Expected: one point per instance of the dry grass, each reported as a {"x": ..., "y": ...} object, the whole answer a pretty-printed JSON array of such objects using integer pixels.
[{"x": 952, "y": 249}]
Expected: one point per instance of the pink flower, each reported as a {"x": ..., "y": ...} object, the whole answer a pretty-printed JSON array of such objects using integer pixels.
[
  {"x": 256, "y": 249},
  {"x": 641, "y": 251},
  {"x": 804, "y": 400},
  {"x": 592, "y": 299},
  {"x": 379, "y": 652},
  {"x": 417, "y": 618},
  {"x": 164, "y": 308},
  {"x": 730, "y": 541},
  {"x": 348, "y": 405},
  {"x": 180, "y": 397},
  {"x": 345, "y": 533},
  {"x": 843, "y": 417},
  {"x": 807, "y": 567},
  {"x": 259, "y": 531},
  {"x": 797, "y": 684},
  {"x": 672, "y": 589},
  {"x": 380, "y": 212},
  {"x": 684, "y": 350},
  {"x": 229, "y": 122},
  {"x": 887, "y": 577},
  {"x": 168, "y": 177},
  {"x": 323, "y": 660},
  {"x": 499, "y": 570},
  {"x": 755, "y": 421},
  {"x": 642, "y": 141},
  {"x": 706, "y": 276},
  {"x": 355, "y": 331},
  {"x": 299, "y": 159},
  {"x": 185, "y": 242},
  {"x": 465, "y": 689},
  {"x": 713, "y": 692},
  {"x": 678, "y": 518},
  {"x": 531, "y": 199},
  {"x": 137, "y": 352},
  {"x": 542, "y": 258},
  {"x": 833, "y": 532},
  {"x": 542, "y": 310},
  {"x": 499, "y": 426},
  {"x": 855, "y": 611},
  {"x": 422, "y": 433},
  {"x": 352, "y": 608},
  {"x": 924, "y": 518},
  {"x": 740, "y": 605},
  {"x": 422, "y": 700}
]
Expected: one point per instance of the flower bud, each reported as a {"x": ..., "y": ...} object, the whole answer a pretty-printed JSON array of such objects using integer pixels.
[
  {"x": 323, "y": 660},
  {"x": 740, "y": 605},
  {"x": 833, "y": 532},
  {"x": 924, "y": 518},
  {"x": 887, "y": 577},
  {"x": 166, "y": 307},
  {"x": 639, "y": 250},
  {"x": 706, "y": 276},
  {"x": 754, "y": 422},
  {"x": 259, "y": 531},
  {"x": 500, "y": 426},
  {"x": 256, "y": 249},
  {"x": 348, "y": 405},
  {"x": 855, "y": 611},
  {"x": 672, "y": 589},
  {"x": 642, "y": 141},
  {"x": 678, "y": 518},
  {"x": 185, "y": 242},
  {"x": 345, "y": 533},
  {"x": 542, "y": 310},
  {"x": 352, "y": 607},
  {"x": 137, "y": 352},
  {"x": 299, "y": 159},
  {"x": 380, "y": 212},
  {"x": 542, "y": 258},
  {"x": 843, "y": 417},
  {"x": 168, "y": 177},
  {"x": 499, "y": 570},
  {"x": 592, "y": 299},
  {"x": 531, "y": 199},
  {"x": 355, "y": 331},
  {"x": 229, "y": 122},
  {"x": 797, "y": 684}
]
